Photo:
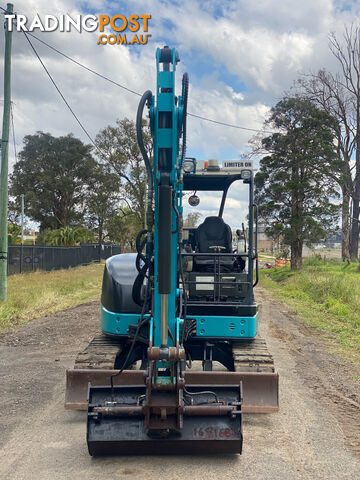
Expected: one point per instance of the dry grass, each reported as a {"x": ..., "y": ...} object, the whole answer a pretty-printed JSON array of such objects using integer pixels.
[
  {"x": 326, "y": 295},
  {"x": 33, "y": 295}
]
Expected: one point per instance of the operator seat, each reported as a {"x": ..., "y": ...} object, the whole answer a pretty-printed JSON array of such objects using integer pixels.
[{"x": 213, "y": 232}]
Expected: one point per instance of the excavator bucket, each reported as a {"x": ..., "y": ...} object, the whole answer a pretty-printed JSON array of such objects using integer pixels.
[{"x": 117, "y": 422}]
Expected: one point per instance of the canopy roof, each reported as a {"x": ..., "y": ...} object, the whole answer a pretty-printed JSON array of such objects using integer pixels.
[{"x": 210, "y": 181}]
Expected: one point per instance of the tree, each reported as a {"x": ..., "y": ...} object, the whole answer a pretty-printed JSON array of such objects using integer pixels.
[
  {"x": 122, "y": 155},
  {"x": 53, "y": 173},
  {"x": 348, "y": 56},
  {"x": 14, "y": 232},
  {"x": 102, "y": 200},
  {"x": 191, "y": 220},
  {"x": 123, "y": 228},
  {"x": 339, "y": 95},
  {"x": 327, "y": 92},
  {"x": 14, "y": 212},
  {"x": 294, "y": 185}
]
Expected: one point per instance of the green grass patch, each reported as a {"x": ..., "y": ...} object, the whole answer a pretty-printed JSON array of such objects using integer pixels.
[
  {"x": 33, "y": 295},
  {"x": 326, "y": 294}
]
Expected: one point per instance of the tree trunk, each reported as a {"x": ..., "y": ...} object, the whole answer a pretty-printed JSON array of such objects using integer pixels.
[
  {"x": 296, "y": 254},
  {"x": 100, "y": 239},
  {"x": 345, "y": 224},
  {"x": 63, "y": 218},
  {"x": 296, "y": 243},
  {"x": 100, "y": 232},
  {"x": 354, "y": 241}
]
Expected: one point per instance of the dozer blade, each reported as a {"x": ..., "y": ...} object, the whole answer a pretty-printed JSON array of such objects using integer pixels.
[
  {"x": 121, "y": 430},
  {"x": 260, "y": 389}
]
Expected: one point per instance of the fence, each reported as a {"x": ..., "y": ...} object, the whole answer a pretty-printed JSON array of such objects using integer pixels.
[{"x": 30, "y": 258}]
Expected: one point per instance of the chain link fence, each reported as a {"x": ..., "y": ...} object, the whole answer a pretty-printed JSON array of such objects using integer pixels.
[{"x": 29, "y": 258}]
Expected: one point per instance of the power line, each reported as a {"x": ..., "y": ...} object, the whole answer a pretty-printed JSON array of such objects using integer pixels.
[
  {"x": 104, "y": 77},
  {"x": 229, "y": 124},
  {"x": 84, "y": 66},
  {"x": 60, "y": 93},
  {"x": 58, "y": 90}
]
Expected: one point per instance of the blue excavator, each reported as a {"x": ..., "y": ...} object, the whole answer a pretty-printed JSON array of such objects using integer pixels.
[{"x": 179, "y": 359}]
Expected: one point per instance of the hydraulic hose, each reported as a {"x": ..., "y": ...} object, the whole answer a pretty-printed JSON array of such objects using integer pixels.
[
  {"x": 147, "y": 97},
  {"x": 185, "y": 93},
  {"x": 142, "y": 269}
]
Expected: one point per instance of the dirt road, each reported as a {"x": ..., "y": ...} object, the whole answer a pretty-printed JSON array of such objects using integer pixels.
[{"x": 316, "y": 435}]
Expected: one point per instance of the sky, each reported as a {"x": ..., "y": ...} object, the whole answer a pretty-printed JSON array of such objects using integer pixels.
[{"x": 241, "y": 56}]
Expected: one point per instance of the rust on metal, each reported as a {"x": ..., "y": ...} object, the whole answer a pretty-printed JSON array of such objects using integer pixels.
[
  {"x": 173, "y": 353},
  {"x": 120, "y": 411},
  {"x": 208, "y": 410},
  {"x": 260, "y": 389},
  {"x": 205, "y": 429},
  {"x": 77, "y": 384}
]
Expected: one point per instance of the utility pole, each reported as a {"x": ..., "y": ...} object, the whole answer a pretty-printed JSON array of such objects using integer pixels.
[
  {"x": 4, "y": 161},
  {"x": 22, "y": 233}
]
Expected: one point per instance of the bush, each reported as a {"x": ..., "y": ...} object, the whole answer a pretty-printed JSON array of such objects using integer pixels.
[{"x": 65, "y": 236}]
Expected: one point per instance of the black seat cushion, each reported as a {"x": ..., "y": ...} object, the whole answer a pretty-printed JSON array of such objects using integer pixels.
[{"x": 213, "y": 232}]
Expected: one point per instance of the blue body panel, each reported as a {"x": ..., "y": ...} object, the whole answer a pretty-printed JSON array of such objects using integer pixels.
[
  {"x": 206, "y": 326},
  {"x": 117, "y": 323},
  {"x": 226, "y": 327}
]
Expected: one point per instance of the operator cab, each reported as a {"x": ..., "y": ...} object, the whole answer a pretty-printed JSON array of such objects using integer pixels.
[{"x": 218, "y": 269}]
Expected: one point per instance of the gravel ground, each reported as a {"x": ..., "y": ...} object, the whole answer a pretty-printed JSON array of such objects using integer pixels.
[{"x": 316, "y": 434}]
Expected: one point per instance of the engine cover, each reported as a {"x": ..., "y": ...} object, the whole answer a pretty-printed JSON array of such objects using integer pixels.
[{"x": 119, "y": 275}]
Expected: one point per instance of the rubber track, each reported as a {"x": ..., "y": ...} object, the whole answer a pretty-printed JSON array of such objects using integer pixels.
[
  {"x": 252, "y": 356},
  {"x": 101, "y": 353},
  {"x": 249, "y": 356}
]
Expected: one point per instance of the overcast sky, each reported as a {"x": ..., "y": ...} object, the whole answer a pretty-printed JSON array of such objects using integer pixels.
[{"x": 240, "y": 55}]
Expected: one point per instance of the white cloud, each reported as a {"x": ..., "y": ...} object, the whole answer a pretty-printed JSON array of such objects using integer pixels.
[
  {"x": 223, "y": 45},
  {"x": 265, "y": 44}
]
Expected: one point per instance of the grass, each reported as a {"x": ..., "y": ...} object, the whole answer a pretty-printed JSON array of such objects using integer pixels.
[
  {"x": 33, "y": 295},
  {"x": 326, "y": 295}
]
